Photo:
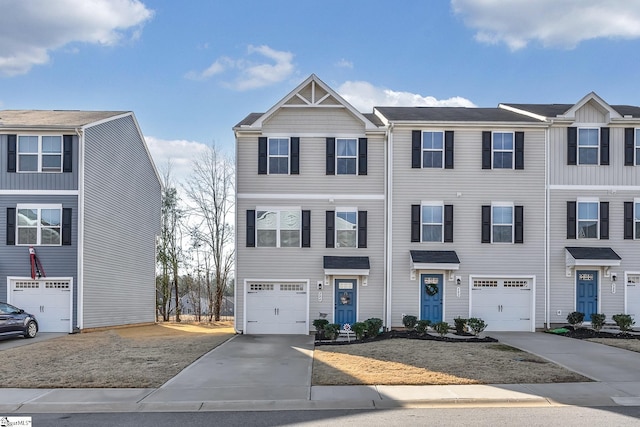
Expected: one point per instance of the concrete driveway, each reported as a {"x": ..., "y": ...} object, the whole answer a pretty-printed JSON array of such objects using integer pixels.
[
  {"x": 7, "y": 343},
  {"x": 247, "y": 367}
]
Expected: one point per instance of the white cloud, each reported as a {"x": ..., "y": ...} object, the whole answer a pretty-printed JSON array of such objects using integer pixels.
[
  {"x": 343, "y": 63},
  {"x": 29, "y": 30},
  {"x": 554, "y": 24},
  {"x": 364, "y": 96},
  {"x": 251, "y": 74},
  {"x": 179, "y": 152}
]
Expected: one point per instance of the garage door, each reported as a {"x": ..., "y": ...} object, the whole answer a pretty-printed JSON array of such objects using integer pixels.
[
  {"x": 277, "y": 308},
  {"x": 48, "y": 300},
  {"x": 504, "y": 304},
  {"x": 633, "y": 297}
]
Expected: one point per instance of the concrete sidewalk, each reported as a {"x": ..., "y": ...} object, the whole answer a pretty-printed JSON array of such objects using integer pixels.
[{"x": 257, "y": 373}]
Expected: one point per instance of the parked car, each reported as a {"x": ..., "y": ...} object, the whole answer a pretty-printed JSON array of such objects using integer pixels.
[{"x": 15, "y": 321}]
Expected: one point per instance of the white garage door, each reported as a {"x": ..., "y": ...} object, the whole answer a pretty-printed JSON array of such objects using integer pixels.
[
  {"x": 277, "y": 308},
  {"x": 504, "y": 304},
  {"x": 633, "y": 297},
  {"x": 48, "y": 300}
]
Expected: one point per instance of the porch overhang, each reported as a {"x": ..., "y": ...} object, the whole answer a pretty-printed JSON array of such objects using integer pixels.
[
  {"x": 346, "y": 265},
  {"x": 591, "y": 257},
  {"x": 433, "y": 260}
]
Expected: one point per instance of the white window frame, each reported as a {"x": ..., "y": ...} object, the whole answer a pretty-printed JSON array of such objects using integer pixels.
[
  {"x": 587, "y": 200},
  {"x": 433, "y": 204},
  {"x": 40, "y": 154},
  {"x": 636, "y": 218},
  {"x": 494, "y": 224},
  {"x": 278, "y": 229},
  {"x": 278, "y": 156},
  {"x": 354, "y": 157},
  {"x": 636, "y": 147},
  {"x": 355, "y": 230},
  {"x": 502, "y": 150},
  {"x": 39, "y": 227},
  {"x": 431, "y": 150},
  {"x": 588, "y": 147}
]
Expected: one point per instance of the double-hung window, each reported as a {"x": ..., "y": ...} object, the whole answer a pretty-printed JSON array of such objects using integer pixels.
[
  {"x": 39, "y": 225},
  {"x": 39, "y": 153},
  {"x": 346, "y": 228},
  {"x": 588, "y": 146},
  {"x": 278, "y": 155},
  {"x": 346, "y": 156},
  {"x": 432, "y": 222},
  {"x": 502, "y": 223},
  {"x": 636, "y": 219},
  {"x": 432, "y": 149},
  {"x": 588, "y": 219},
  {"x": 278, "y": 228},
  {"x": 502, "y": 150},
  {"x": 637, "y": 146}
]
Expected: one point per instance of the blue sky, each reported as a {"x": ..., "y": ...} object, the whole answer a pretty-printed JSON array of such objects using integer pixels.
[{"x": 190, "y": 70}]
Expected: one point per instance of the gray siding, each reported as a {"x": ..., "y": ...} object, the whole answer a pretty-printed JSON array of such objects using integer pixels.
[
  {"x": 121, "y": 220},
  {"x": 467, "y": 187},
  {"x": 38, "y": 181}
]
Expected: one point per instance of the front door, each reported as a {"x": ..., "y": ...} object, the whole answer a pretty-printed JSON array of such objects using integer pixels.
[
  {"x": 345, "y": 301},
  {"x": 431, "y": 297},
  {"x": 587, "y": 293}
]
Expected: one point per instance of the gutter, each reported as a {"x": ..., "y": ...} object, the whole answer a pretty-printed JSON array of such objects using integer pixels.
[
  {"x": 388, "y": 223},
  {"x": 80, "y": 227}
]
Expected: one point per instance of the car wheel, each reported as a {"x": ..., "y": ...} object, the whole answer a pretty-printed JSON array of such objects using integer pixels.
[{"x": 31, "y": 330}]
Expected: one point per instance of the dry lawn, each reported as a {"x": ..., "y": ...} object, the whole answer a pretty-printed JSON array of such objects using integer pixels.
[
  {"x": 633, "y": 345},
  {"x": 142, "y": 356},
  {"x": 413, "y": 362}
]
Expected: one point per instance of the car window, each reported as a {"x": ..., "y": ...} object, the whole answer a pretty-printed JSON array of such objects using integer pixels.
[{"x": 4, "y": 308}]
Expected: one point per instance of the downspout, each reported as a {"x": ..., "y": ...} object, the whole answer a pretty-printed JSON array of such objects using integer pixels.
[
  {"x": 80, "y": 228},
  {"x": 388, "y": 225},
  {"x": 547, "y": 300}
]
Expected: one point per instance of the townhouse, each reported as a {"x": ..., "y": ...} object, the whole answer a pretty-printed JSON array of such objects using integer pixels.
[
  {"x": 518, "y": 214},
  {"x": 81, "y": 190}
]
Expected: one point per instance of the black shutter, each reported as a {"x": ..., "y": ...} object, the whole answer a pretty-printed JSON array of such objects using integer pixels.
[
  {"x": 11, "y": 226},
  {"x": 486, "y": 224},
  {"x": 251, "y": 228},
  {"x": 295, "y": 156},
  {"x": 330, "y": 229},
  {"x": 67, "y": 150},
  {"x": 571, "y": 220},
  {"x": 362, "y": 156},
  {"x": 448, "y": 223},
  {"x": 519, "y": 225},
  {"x": 362, "y": 229},
  {"x": 66, "y": 226},
  {"x": 572, "y": 146},
  {"x": 262, "y": 155},
  {"x": 416, "y": 149},
  {"x": 306, "y": 229},
  {"x": 448, "y": 149},
  {"x": 629, "y": 147},
  {"x": 331, "y": 156},
  {"x": 604, "y": 146},
  {"x": 628, "y": 220},
  {"x": 11, "y": 153},
  {"x": 415, "y": 223},
  {"x": 519, "y": 150},
  {"x": 486, "y": 150},
  {"x": 604, "y": 220}
]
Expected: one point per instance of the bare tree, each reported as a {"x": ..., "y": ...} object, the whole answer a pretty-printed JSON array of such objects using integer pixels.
[{"x": 210, "y": 189}]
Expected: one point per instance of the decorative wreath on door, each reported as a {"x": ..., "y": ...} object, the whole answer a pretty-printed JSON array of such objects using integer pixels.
[{"x": 431, "y": 289}]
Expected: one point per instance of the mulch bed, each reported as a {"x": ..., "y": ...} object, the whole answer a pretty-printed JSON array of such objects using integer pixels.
[
  {"x": 585, "y": 333},
  {"x": 412, "y": 335}
]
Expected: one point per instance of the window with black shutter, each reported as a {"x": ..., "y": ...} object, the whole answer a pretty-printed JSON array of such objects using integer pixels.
[
  {"x": 362, "y": 156},
  {"x": 416, "y": 149},
  {"x": 628, "y": 220},
  {"x": 262, "y": 156},
  {"x": 629, "y": 147},
  {"x": 331, "y": 156},
  {"x": 362, "y": 229},
  {"x": 486, "y": 224},
  {"x": 251, "y": 228},
  {"x": 519, "y": 224},
  {"x": 519, "y": 150},
  {"x": 11, "y": 226},
  {"x": 67, "y": 153},
  {"x": 415, "y": 223},
  {"x": 486, "y": 150},
  {"x": 295, "y": 156},
  {"x": 571, "y": 220},
  {"x": 66, "y": 226},
  {"x": 448, "y": 223},
  {"x": 448, "y": 149},
  {"x": 572, "y": 146},
  {"x": 330, "y": 229},
  {"x": 306, "y": 229},
  {"x": 12, "y": 153},
  {"x": 604, "y": 220},
  {"x": 604, "y": 146}
]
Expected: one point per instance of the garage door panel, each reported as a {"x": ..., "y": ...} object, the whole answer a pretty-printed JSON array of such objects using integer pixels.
[
  {"x": 633, "y": 297},
  {"x": 504, "y": 304},
  {"x": 48, "y": 300},
  {"x": 277, "y": 308}
]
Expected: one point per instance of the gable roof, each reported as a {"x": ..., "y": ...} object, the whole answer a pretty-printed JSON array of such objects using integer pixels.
[
  {"x": 451, "y": 114},
  {"x": 53, "y": 118}
]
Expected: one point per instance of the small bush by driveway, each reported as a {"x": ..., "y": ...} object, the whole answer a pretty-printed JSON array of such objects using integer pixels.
[{"x": 136, "y": 357}]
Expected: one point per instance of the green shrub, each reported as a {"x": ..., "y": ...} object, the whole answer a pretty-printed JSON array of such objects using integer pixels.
[
  {"x": 575, "y": 318},
  {"x": 476, "y": 325},
  {"x": 624, "y": 322},
  {"x": 373, "y": 326},
  {"x": 409, "y": 322},
  {"x": 360, "y": 329},
  {"x": 597, "y": 321},
  {"x": 331, "y": 331},
  {"x": 422, "y": 325},
  {"x": 460, "y": 325},
  {"x": 442, "y": 328},
  {"x": 319, "y": 324}
]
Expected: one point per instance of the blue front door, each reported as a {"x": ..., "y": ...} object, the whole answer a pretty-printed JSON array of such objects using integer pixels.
[
  {"x": 587, "y": 293},
  {"x": 345, "y": 301},
  {"x": 431, "y": 297}
]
